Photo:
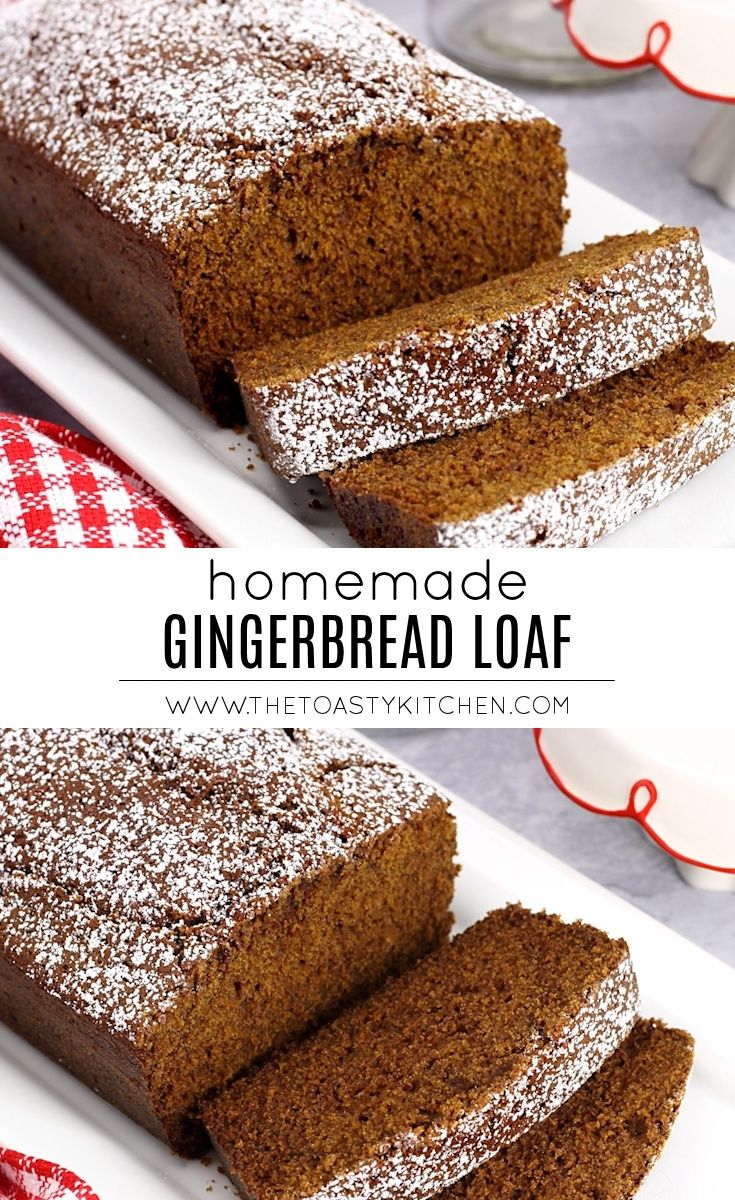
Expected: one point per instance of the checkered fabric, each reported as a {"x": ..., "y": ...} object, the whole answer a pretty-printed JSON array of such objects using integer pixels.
[
  {"x": 60, "y": 489},
  {"x": 26, "y": 1178}
]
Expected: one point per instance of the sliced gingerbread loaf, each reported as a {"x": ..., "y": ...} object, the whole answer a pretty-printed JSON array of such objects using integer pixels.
[
  {"x": 174, "y": 906},
  {"x": 201, "y": 178},
  {"x": 562, "y": 474},
  {"x": 459, "y": 362},
  {"x": 411, "y": 1089},
  {"x": 602, "y": 1143}
]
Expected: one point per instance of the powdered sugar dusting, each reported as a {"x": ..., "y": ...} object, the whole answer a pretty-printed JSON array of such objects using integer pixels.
[
  {"x": 428, "y": 384},
  {"x": 421, "y": 1163},
  {"x": 578, "y": 512},
  {"x": 160, "y": 110},
  {"x": 127, "y": 856}
]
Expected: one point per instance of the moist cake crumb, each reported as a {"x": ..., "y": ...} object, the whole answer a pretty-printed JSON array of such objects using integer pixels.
[
  {"x": 465, "y": 359},
  {"x": 414, "y": 1087},
  {"x": 563, "y": 474},
  {"x": 603, "y": 1142}
]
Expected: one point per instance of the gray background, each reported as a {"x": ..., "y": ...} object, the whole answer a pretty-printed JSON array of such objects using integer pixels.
[
  {"x": 633, "y": 137},
  {"x": 500, "y": 772}
]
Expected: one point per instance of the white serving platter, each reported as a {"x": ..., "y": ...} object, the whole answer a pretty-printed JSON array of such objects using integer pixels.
[
  {"x": 47, "y": 1113},
  {"x": 215, "y": 476}
]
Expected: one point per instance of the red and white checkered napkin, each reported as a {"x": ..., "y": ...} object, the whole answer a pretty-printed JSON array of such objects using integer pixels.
[
  {"x": 60, "y": 489},
  {"x": 26, "y": 1178}
]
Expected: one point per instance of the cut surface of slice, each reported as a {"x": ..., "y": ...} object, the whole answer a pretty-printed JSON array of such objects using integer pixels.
[
  {"x": 603, "y": 1142},
  {"x": 411, "y": 1089},
  {"x": 562, "y": 474},
  {"x": 461, "y": 361}
]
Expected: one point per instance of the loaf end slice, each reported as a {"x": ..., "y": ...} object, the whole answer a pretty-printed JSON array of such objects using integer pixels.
[
  {"x": 421, "y": 1083},
  {"x": 603, "y": 1142},
  {"x": 564, "y": 474},
  {"x": 463, "y": 360}
]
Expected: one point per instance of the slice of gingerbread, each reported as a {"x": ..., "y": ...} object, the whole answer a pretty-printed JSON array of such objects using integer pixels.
[
  {"x": 461, "y": 361},
  {"x": 564, "y": 474},
  {"x": 603, "y": 1142},
  {"x": 408, "y": 1091}
]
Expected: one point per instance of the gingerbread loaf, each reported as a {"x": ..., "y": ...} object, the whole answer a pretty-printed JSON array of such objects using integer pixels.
[
  {"x": 461, "y": 361},
  {"x": 603, "y": 1142},
  {"x": 200, "y": 177},
  {"x": 562, "y": 474},
  {"x": 411, "y": 1089},
  {"x": 175, "y": 906}
]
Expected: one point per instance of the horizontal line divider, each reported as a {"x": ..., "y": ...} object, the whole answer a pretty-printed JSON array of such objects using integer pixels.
[{"x": 389, "y": 679}]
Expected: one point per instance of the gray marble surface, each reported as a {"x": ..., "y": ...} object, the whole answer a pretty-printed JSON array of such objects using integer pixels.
[{"x": 499, "y": 771}]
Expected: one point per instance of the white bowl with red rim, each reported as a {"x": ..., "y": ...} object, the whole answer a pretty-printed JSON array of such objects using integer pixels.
[
  {"x": 677, "y": 784},
  {"x": 692, "y": 43}
]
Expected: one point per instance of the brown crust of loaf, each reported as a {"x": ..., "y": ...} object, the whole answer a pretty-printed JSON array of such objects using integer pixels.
[
  {"x": 414, "y": 1087},
  {"x": 566, "y": 473},
  {"x": 330, "y": 937},
  {"x": 104, "y": 1063},
  {"x": 373, "y": 522},
  {"x": 118, "y": 280},
  {"x": 603, "y": 1142},
  {"x": 463, "y": 360},
  {"x": 404, "y": 212}
]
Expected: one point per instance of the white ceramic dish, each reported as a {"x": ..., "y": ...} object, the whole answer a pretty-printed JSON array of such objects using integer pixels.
[
  {"x": 690, "y": 41},
  {"x": 676, "y": 783},
  {"x": 215, "y": 477},
  {"x": 45, "y": 1112}
]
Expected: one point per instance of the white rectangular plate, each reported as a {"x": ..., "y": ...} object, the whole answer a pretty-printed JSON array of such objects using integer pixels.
[
  {"x": 215, "y": 476},
  {"x": 47, "y": 1113}
]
